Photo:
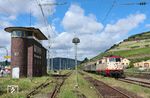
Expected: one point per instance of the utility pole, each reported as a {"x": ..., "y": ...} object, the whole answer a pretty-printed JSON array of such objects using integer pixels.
[
  {"x": 48, "y": 61},
  {"x": 46, "y": 22},
  {"x": 59, "y": 64},
  {"x": 51, "y": 60},
  {"x": 67, "y": 59}
]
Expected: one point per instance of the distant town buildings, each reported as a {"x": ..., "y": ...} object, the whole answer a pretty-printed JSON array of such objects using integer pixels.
[
  {"x": 125, "y": 62},
  {"x": 63, "y": 63},
  {"x": 28, "y": 56},
  {"x": 143, "y": 64}
]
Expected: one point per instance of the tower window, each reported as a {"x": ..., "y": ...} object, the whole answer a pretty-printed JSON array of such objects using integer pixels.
[
  {"x": 30, "y": 34},
  {"x": 18, "y": 34}
]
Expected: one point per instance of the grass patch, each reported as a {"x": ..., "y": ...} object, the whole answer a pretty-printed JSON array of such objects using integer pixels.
[
  {"x": 62, "y": 72},
  {"x": 68, "y": 89},
  {"x": 25, "y": 86},
  {"x": 86, "y": 88},
  {"x": 136, "y": 70},
  {"x": 128, "y": 53}
]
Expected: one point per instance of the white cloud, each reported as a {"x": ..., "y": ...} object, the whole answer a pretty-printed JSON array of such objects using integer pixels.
[
  {"x": 13, "y": 8},
  {"x": 10, "y": 10},
  {"x": 76, "y": 21},
  {"x": 126, "y": 24},
  {"x": 4, "y": 24},
  {"x": 115, "y": 32},
  {"x": 147, "y": 25},
  {"x": 16, "y": 7},
  {"x": 4, "y": 42},
  {"x": 94, "y": 37}
]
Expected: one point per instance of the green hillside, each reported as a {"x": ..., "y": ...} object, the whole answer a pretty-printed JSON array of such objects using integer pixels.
[{"x": 136, "y": 48}]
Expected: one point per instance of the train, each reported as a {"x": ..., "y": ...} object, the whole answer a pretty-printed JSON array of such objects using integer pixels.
[{"x": 112, "y": 66}]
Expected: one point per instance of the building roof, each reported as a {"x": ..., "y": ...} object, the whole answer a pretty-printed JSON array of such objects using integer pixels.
[{"x": 39, "y": 35}]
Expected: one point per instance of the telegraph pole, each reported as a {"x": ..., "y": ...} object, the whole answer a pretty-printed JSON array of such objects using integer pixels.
[{"x": 59, "y": 65}]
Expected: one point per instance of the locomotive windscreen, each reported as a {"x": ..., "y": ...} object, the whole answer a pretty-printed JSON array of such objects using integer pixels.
[
  {"x": 118, "y": 60},
  {"x": 112, "y": 59}
]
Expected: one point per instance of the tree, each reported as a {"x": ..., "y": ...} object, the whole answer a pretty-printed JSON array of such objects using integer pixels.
[
  {"x": 6, "y": 63},
  {"x": 85, "y": 60}
]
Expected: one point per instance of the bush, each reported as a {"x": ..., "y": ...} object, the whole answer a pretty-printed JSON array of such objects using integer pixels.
[
  {"x": 146, "y": 45},
  {"x": 135, "y": 47}
]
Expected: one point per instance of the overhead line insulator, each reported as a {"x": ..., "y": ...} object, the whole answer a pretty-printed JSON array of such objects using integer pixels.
[
  {"x": 139, "y": 3},
  {"x": 142, "y": 3}
]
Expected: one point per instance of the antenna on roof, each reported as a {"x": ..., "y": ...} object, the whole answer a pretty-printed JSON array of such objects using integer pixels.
[{"x": 30, "y": 17}]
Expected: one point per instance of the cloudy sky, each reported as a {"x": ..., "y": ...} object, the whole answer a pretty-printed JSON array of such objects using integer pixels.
[{"x": 98, "y": 23}]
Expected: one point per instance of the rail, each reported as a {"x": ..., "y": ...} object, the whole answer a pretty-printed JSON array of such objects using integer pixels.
[
  {"x": 105, "y": 90},
  {"x": 59, "y": 85},
  {"x": 141, "y": 83}
]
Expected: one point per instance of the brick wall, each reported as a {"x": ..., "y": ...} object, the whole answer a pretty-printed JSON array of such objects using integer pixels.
[
  {"x": 29, "y": 56},
  {"x": 19, "y": 55}
]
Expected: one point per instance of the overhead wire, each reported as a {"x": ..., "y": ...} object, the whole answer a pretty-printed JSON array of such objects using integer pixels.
[
  {"x": 49, "y": 37},
  {"x": 44, "y": 17},
  {"x": 141, "y": 3},
  {"x": 16, "y": 21},
  {"x": 6, "y": 13},
  {"x": 137, "y": 3},
  {"x": 110, "y": 9}
]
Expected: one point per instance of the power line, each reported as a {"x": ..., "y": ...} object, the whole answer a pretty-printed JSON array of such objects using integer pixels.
[
  {"x": 136, "y": 3},
  {"x": 130, "y": 3},
  {"x": 45, "y": 21},
  {"x": 51, "y": 4},
  {"x": 113, "y": 4},
  {"x": 49, "y": 37},
  {"x": 30, "y": 17},
  {"x": 12, "y": 4},
  {"x": 48, "y": 25}
]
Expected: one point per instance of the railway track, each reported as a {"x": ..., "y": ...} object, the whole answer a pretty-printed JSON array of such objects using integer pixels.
[
  {"x": 38, "y": 88},
  {"x": 60, "y": 79},
  {"x": 107, "y": 91},
  {"x": 137, "y": 82},
  {"x": 142, "y": 75}
]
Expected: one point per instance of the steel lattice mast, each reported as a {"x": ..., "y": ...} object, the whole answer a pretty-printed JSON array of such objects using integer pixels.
[{"x": 49, "y": 26}]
